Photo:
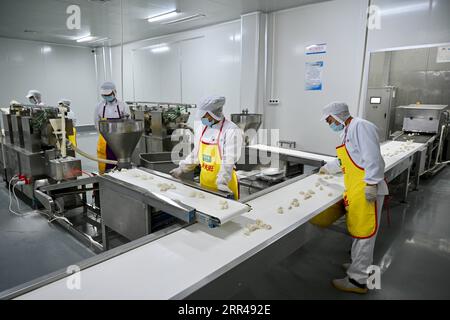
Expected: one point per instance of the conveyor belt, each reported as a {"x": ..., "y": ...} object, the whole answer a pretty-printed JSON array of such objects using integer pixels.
[
  {"x": 190, "y": 258},
  {"x": 202, "y": 201}
]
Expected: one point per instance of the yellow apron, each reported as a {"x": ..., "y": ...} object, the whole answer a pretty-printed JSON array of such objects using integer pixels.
[
  {"x": 362, "y": 222},
  {"x": 210, "y": 158},
  {"x": 329, "y": 216},
  {"x": 73, "y": 137},
  {"x": 103, "y": 151}
]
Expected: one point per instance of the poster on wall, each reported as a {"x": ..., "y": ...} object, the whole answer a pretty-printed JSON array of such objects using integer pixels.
[
  {"x": 313, "y": 76},
  {"x": 316, "y": 49},
  {"x": 443, "y": 54}
]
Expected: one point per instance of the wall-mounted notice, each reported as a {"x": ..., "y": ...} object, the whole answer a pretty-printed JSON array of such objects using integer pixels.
[
  {"x": 443, "y": 54},
  {"x": 316, "y": 49},
  {"x": 313, "y": 76}
]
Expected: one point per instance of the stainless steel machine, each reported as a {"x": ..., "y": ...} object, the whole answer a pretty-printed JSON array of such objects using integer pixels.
[
  {"x": 380, "y": 110},
  {"x": 34, "y": 147},
  {"x": 161, "y": 119},
  {"x": 427, "y": 124},
  {"x": 249, "y": 124},
  {"x": 123, "y": 211}
]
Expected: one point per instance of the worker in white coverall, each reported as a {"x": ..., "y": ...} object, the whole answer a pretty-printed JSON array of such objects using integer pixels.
[
  {"x": 110, "y": 108},
  {"x": 217, "y": 148},
  {"x": 35, "y": 97},
  {"x": 360, "y": 160},
  {"x": 66, "y": 103}
]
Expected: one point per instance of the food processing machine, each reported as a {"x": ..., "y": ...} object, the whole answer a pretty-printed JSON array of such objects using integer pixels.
[
  {"x": 428, "y": 124},
  {"x": 161, "y": 120},
  {"x": 131, "y": 202},
  {"x": 34, "y": 147},
  {"x": 249, "y": 123}
]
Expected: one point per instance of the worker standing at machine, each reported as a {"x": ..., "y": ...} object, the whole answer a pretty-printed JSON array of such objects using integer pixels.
[
  {"x": 217, "y": 148},
  {"x": 35, "y": 97},
  {"x": 70, "y": 114},
  {"x": 361, "y": 162},
  {"x": 109, "y": 109}
]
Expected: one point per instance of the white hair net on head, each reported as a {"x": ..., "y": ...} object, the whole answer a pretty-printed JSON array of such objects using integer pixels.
[
  {"x": 338, "y": 110},
  {"x": 213, "y": 106},
  {"x": 65, "y": 102},
  {"x": 34, "y": 94},
  {"x": 107, "y": 88},
  {"x": 14, "y": 103}
]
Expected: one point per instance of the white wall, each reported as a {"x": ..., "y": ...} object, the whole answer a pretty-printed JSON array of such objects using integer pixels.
[
  {"x": 57, "y": 71},
  {"x": 253, "y": 58},
  {"x": 340, "y": 24},
  {"x": 200, "y": 62},
  {"x": 406, "y": 24}
]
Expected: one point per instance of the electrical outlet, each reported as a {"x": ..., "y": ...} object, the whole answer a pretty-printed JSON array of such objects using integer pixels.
[{"x": 274, "y": 102}]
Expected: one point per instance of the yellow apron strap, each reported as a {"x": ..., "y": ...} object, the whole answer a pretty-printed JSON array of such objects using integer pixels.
[
  {"x": 362, "y": 222},
  {"x": 73, "y": 138},
  {"x": 210, "y": 160},
  {"x": 101, "y": 153}
]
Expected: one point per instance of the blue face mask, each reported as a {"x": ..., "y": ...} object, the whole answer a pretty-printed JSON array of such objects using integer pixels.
[
  {"x": 207, "y": 123},
  {"x": 337, "y": 128},
  {"x": 110, "y": 98}
]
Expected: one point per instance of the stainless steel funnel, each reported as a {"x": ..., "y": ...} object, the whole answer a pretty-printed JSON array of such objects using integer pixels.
[
  {"x": 249, "y": 123},
  {"x": 122, "y": 136}
]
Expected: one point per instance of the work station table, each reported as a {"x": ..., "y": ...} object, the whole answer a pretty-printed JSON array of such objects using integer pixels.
[{"x": 179, "y": 264}]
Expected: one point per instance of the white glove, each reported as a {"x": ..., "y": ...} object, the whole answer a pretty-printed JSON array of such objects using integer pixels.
[
  {"x": 323, "y": 170},
  {"x": 224, "y": 188},
  {"x": 177, "y": 173},
  {"x": 371, "y": 193}
]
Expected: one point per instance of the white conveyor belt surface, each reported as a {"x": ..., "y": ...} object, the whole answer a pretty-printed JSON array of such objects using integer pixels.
[
  {"x": 204, "y": 202},
  {"x": 291, "y": 152},
  {"x": 182, "y": 262}
]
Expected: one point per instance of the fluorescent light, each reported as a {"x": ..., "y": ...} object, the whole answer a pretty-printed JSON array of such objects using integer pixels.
[
  {"x": 186, "y": 19},
  {"x": 46, "y": 49},
  {"x": 86, "y": 39},
  {"x": 236, "y": 37},
  {"x": 163, "y": 16},
  {"x": 406, "y": 9},
  {"x": 159, "y": 45},
  {"x": 99, "y": 40},
  {"x": 161, "y": 49}
]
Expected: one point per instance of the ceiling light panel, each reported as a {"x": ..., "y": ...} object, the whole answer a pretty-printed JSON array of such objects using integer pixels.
[{"x": 164, "y": 16}]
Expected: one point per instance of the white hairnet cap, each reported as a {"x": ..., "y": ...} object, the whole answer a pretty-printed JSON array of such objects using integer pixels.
[
  {"x": 107, "y": 88},
  {"x": 14, "y": 103},
  {"x": 65, "y": 102},
  {"x": 213, "y": 106},
  {"x": 34, "y": 93},
  {"x": 338, "y": 110}
]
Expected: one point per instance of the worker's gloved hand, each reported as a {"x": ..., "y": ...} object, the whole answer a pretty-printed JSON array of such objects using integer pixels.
[
  {"x": 224, "y": 188},
  {"x": 371, "y": 193},
  {"x": 177, "y": 173},
  {"x": 323, "y": 170}
]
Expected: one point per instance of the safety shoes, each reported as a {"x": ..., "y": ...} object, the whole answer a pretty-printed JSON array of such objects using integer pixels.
[{"x": 349, "y": 285}]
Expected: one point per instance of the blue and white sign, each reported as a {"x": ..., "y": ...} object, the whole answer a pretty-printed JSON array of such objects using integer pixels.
[
  {"x": 313, "y": 76},
  {"x": 443, "y": 55},
  {"x": 316, "y": 49}
]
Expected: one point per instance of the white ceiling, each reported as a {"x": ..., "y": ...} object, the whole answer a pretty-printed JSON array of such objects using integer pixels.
[{"x": 45, "y": 20}]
